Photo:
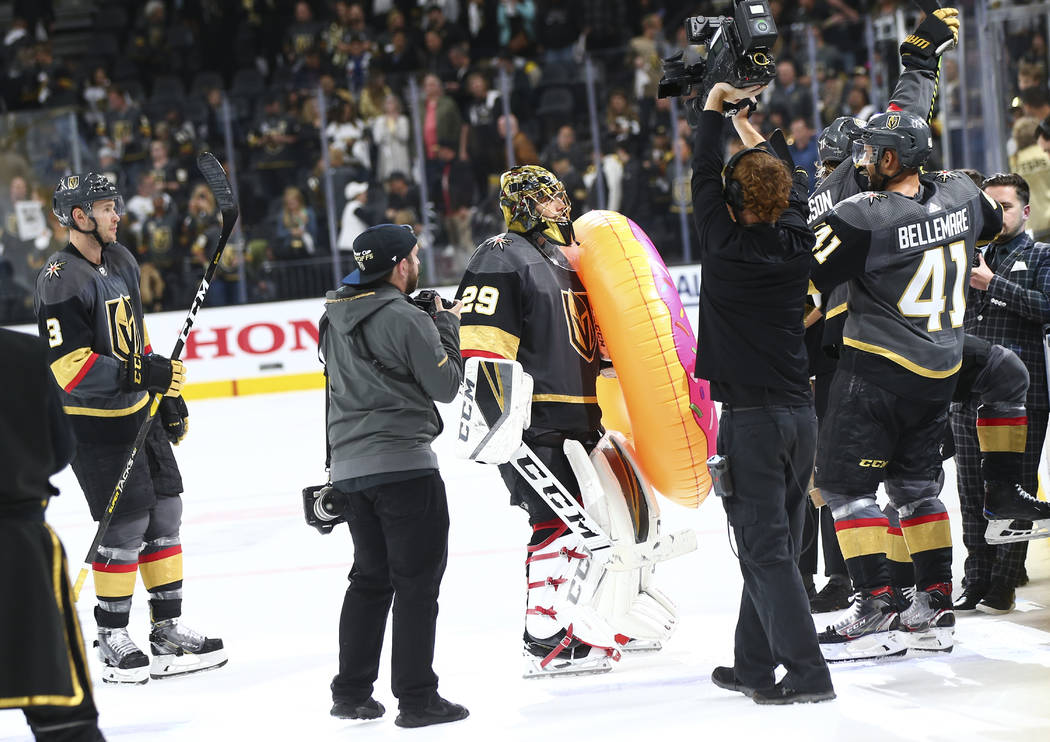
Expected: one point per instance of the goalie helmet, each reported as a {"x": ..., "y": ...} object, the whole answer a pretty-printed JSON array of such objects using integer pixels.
[
  {"x": 522, "y": 191},
  {"x": 82, "y": 191},
  {"x": 904, "y": 132}
]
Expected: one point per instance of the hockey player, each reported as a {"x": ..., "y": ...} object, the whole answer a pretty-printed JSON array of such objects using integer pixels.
[
  {"x": 89, "y": 310},
  {"x": 43, "y": 666},
  {"x": 522, "y": 301},
  {"x": 905, "y": 247}
]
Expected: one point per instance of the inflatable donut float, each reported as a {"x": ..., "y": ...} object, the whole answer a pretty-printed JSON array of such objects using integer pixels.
[{"x": 671, "y": 417}]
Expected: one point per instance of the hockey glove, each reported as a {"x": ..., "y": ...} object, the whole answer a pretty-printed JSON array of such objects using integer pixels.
[
  {"x": 154, "y": 373},
  {"x": 175, "y": 418},
  {"x": 938, "y": 32}
]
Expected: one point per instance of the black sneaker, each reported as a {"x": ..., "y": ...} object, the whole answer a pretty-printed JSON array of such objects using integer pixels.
[
  {"x": 972, "y": 595},
  {"x": 833, "y": 597},
  {"x": 998, "y": 600},
  {"x": 725, "y": 677},
  {"x": 438, "y": 711},
  {"x": 370, "y": 708},
  {"x": 780, "y": 695}
]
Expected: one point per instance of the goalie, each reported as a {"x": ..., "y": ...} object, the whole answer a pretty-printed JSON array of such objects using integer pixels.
[{"x": 523, "y": 302}]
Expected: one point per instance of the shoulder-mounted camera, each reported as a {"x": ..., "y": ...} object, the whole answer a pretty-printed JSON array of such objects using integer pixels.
[{"x": 739, "y": 51}]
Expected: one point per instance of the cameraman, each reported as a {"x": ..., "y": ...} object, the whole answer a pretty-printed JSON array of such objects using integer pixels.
[
  {"x": 387, "y": 362},
  {"x": 755, "y": 253}
]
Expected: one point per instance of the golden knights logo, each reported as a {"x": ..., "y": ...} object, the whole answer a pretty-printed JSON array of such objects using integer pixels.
[
  {"x": 874, "y": 196},
  {"x": 72, "y": 181},
  {"x": 123, "y": 332},
  {"x": 582, "y": 332},
  {"x": 893, "y": 121}
]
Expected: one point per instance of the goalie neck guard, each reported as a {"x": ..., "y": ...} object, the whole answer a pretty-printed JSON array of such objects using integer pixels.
[{"x": 522, "y": 191}]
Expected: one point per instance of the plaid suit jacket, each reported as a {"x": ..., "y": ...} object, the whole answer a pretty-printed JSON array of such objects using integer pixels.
[{"x": 1014, "y": 308}]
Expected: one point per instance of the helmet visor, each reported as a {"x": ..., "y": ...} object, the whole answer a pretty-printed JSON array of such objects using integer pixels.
[
  {"x": 865, "y": 154},
  {"x": 103, "y": 206}
]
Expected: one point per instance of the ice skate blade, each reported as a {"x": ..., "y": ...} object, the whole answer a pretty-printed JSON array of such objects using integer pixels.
[
  {"x": 871, "y": 647},
  {"x": 175, "y": 665},
  {"x": 131, "y": 676},
  {"x": 930, "y": 642},
  {"x": 641, "y": 646},
  {"x": 566, "y": 669},
  {"x": 1001, "y": 531}
]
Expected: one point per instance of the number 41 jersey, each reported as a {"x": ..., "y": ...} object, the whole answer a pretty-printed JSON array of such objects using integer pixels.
[{"x": 908, "y": 262}]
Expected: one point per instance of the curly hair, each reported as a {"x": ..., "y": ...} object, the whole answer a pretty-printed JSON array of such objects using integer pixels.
[{"x": 766, "y": 184}]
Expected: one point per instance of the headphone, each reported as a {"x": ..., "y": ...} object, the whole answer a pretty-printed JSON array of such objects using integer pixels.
[{"x": 732, "y": 190}]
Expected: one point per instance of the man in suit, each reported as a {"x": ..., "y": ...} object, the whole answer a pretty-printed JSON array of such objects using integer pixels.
[{"x": 1008, "y": 304}]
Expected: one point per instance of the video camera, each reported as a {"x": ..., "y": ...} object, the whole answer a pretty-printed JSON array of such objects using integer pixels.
[{"x": 739, "y": 51}]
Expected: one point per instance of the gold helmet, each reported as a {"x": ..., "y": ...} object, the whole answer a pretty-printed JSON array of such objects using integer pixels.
[{"x": 522, "y": 190}]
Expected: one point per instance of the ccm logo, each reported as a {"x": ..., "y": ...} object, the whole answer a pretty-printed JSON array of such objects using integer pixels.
[{"x": 874, "y": 463}]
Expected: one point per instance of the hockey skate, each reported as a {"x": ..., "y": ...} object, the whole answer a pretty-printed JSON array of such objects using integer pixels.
[
  {"x": 869, "y": 630},
  {"x": 122, "y": 661},
  {"x": 1013, "y": 514},
  {"x": 178, "y": 650},
  {"x": 928, "y": 624},
  {"x": 639, "y": 646},
  {"x": 542, "y": 661}
]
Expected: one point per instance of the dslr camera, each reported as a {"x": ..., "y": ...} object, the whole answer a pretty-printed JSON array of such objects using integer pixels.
[
  {"x": 425, "y": 301},
  {"x": 739, "y": 52},
  {"x": 324, "y": 507}
]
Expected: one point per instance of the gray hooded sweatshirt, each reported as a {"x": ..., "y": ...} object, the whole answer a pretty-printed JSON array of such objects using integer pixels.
[{"x": 377, "y": 422}]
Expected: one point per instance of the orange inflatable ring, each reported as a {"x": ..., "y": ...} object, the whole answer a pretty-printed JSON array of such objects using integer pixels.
[{"x": 653, "y": 349}]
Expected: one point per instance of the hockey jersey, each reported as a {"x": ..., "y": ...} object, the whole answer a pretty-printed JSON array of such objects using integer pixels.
[
  {"x": 520, "y": 305},
  {"x": 91, "y": 317},
  {"x": 907, "y": 261}
]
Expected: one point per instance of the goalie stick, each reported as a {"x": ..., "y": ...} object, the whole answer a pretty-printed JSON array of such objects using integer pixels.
[{"x": 219, "y": 184}]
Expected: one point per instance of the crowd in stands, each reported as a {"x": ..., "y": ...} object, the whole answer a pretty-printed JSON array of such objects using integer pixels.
[{"x": 151, "y": 85}]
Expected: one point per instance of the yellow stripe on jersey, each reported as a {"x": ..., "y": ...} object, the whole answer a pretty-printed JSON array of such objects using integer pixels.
[
  {"x": 490, "y": 339},
  {"x": 835, "y": 310},
  {"x": 901, "y": 360},
  {"x": 68, "y": 367},
  {"x": 98, "y": 412},
  {"x": 564, "y": 398}
]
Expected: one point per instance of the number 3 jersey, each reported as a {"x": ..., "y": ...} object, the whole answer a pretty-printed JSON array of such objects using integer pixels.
[
  {"x": 91, "y": 317},
  {"x": 907, "y": 261},
  {"x": 519, "y": 305}
]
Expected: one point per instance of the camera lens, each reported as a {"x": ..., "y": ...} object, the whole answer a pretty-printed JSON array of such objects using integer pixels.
[{"x": 329, "y": 504}]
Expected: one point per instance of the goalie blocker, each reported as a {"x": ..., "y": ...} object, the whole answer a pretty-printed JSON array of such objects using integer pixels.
[{"x": 594, "y": 579}]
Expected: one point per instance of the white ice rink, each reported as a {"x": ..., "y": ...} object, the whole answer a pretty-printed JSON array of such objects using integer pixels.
[{"x": 271, "y": 587}]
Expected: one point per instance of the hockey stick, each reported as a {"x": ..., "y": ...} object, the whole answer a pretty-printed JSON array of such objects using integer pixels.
[
  {"x": 617, "y": 557},
  {"x": 217, "y": 181}
]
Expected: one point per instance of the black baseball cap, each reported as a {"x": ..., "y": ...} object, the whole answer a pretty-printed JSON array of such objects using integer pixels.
[{"x": 378, "y": 249}]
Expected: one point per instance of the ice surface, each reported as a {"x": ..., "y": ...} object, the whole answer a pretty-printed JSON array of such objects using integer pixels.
[{"x": 271, "y": 587}]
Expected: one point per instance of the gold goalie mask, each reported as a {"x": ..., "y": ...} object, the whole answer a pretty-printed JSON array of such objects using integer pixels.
[{"x": 529, "y": 196}]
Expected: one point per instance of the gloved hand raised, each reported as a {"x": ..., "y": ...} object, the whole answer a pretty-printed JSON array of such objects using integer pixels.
[
  {"x": 154, "y": 373},
  {"x": 175, "y": 418},
  {"x": 938, "y": 32}
]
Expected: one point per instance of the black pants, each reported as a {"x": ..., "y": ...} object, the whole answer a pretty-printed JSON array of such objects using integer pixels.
[
  {"x": 820, "y": 519},
  {"x": 770, "y": 452},
  {"x": 400, "y": 533}
]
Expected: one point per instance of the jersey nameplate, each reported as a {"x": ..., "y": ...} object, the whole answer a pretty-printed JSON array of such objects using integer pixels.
[{"x": 933, "y": 231}]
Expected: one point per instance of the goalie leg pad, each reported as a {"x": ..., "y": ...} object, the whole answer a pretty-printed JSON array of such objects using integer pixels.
[{"x": 496, "y": 409}]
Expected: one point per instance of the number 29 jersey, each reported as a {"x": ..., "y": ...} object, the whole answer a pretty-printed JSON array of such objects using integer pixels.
[
  {"x": 519, "y": 305},
  {"x": 907, "y": 261}
]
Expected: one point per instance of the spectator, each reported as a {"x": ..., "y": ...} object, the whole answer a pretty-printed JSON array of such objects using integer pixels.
[
  {"x": 302, "y": 35},
  {"x": 126, "y": 130},
  {"x": 455, "y": 197},
  {"x": 391, "y": 134},
  {"x": 524, "y": 149},
  {"x": 786, "y": 96},
  {"x": 357, "y": 217},
  {"x": 558, "y": 30},
  {"x": 457, "y": 73},
  {"x": 449, "y": 33},
  {"x": 375, "y": 92},
  {"x": 1033, "y": 164},
  {"x": 515, "y": 19},
  {"x": 803, "y": 148},
  {"x": 162, "y": 253},
  {"x": 482, "y": 28},
  {"x": 272, "y": 141},
  {"x": 296, "y": 231},
  {"x": 858, "y": 104},
  {"x": 564, "y": 145},
  {"x": 348, "y": 132},
  {"x": 402, "y": 200},
  {"x": 358, "y": 59},
  {"x": 646, "y": 53},
  {"x": 441, "y": 122},
  {"x": 140, "y": 206},
  {"x": 1035, "y": 102},
  {"x": 621, "y": 118}
]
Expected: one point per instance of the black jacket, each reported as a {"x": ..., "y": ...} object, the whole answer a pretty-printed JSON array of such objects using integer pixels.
[{"x": 753, "y": 287}]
